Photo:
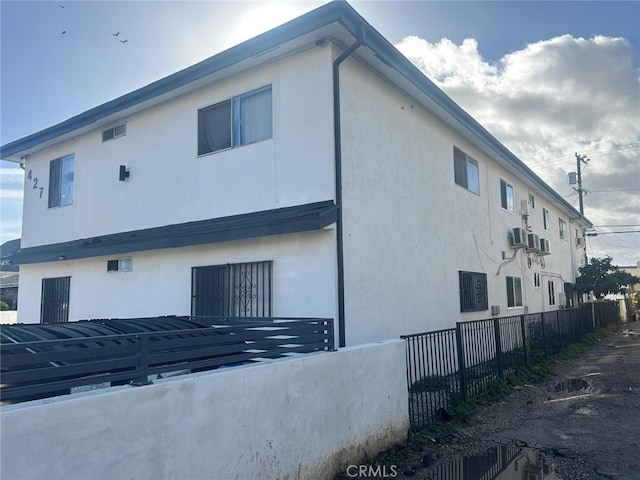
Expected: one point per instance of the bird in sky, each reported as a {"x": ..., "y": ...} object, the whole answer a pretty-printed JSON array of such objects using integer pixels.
[
  {"x": 63, "y": 32},
  {"x": 115, "y": 34},
  {"x": 124, "y": 41},
  {"x": 61, "y": 6}
]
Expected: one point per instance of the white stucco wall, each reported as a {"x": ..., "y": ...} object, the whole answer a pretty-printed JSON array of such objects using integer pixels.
[
  {"x": 169, "y": 183},
  {"x": 286, "y": 419},
  {"x": 304, "y": 278},
  {"x": 409, "y": 228}
]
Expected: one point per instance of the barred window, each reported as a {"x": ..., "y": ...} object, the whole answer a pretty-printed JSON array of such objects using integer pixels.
[
  {"x": 55, "y": 300},
  {"x": 473, "y": 291},
  {"x": 232, "y": 290}
]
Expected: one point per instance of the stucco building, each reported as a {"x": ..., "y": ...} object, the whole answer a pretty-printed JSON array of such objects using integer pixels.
[{"x": 310, "y": 171}]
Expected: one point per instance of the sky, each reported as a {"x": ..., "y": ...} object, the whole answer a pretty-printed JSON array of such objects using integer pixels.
[{"x": 548, "y": 79}]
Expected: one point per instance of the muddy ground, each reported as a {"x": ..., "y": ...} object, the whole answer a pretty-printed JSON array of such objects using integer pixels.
[{"x": 592, "y": 432}]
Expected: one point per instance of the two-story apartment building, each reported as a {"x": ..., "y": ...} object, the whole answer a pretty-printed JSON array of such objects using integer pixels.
[{"x": 310, "y": 171}]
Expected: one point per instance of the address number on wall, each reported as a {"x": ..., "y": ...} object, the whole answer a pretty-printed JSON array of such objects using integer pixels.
[{"x": 35, "y": 182}]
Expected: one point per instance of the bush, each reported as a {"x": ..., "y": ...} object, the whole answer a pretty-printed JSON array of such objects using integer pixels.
[{"x": 4, "y": 306}]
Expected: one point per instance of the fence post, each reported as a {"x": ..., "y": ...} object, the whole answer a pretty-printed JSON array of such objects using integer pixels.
[
  {"x": 524, "y": 342},
  {"x": 544, "y": 337},
  {"x": 461, "y": 364},
  {"x": 143, "y": 362},
  {"x": 559, "y": 330},
  {"x": 496, "y": 328}
]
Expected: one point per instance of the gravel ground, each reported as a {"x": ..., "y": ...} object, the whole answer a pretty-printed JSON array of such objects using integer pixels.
[{"x": 582, "y": 422}]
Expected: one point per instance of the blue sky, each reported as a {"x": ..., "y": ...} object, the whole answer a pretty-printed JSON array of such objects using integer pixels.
[{"x": 578, "y": 61}]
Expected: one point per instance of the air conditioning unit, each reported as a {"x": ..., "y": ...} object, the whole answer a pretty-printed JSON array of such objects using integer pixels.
[
  {"x": 544, "y": 246},
  {"x": 580, "y": 242},
  {"x": 518, "y": 236},
  {"x": 533, "y": 242},
  {"x": 524, "y": 208}
]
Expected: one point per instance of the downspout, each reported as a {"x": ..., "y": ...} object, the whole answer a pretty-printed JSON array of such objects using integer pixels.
[{"x": 338, "y": 168}]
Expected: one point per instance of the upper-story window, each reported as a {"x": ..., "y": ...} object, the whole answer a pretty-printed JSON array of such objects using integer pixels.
[
  {"x": 238, "y": 121},
  {"x": 61, "y": 181},
  {"x": 114, "y": 132},
  {"x": 507, "y": 196},
  {"x": 562, "y": 228},
  {"x": 546, "y": 221},
  {"x": 532, "y": 200},
  {"x": 466, "y": 173}
]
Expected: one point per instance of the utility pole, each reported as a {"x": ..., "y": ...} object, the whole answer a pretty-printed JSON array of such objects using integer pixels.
[{"x": 580, "y": 159}]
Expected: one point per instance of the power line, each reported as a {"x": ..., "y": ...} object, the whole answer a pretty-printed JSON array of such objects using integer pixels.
[
  {"x": 616, "y": 190},
  {"x": 621, "y": 225}
]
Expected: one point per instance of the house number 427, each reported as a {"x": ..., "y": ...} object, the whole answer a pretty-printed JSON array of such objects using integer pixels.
[{"x": 35, "y": 182}]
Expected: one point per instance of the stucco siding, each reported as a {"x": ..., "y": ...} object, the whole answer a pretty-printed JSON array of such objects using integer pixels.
[
  {"x": 159, "y": 283},
  {"x": 169, "y": 183},
  {"x": 409, "y": 228}
]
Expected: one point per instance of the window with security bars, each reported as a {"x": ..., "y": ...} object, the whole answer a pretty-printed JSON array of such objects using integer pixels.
[
  {"x": 232, "y": 290},
  {"x": 55, "y": 300},
  {"x": 473, "y": 292}
]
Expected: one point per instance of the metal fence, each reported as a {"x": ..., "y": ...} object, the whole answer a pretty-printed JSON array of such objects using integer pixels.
[
  {"x": 447, "y": 366},
  {"x": 44, "y": 368}
]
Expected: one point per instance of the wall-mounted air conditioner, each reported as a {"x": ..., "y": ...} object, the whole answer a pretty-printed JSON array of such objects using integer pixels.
[
  {"x": 544, "y": 246},
  {"x": 533, "y": 242},
  {"x": 524, "y": 208},
  {"x": 580, "y": 242},
  {"x": 518, "y": 236}
]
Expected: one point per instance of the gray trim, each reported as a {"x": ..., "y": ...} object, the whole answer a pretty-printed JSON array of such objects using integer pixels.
[{"x": 300, "y": 218}]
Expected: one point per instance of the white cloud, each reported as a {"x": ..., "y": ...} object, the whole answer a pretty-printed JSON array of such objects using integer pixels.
[
  {"x": 548, "y": 101},
  {"x": 12, "y": 175},
  {"x": 11, "y": 194},
  {"x": 11, "y": 182}
]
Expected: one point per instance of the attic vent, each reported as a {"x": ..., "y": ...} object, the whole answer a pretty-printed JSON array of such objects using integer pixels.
[{"x": 114, "y": 132}]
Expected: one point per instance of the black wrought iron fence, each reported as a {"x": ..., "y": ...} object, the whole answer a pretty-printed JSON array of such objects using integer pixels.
[
  {"x": 43, "y": 368},
  {"x": 446, "y": 366}
]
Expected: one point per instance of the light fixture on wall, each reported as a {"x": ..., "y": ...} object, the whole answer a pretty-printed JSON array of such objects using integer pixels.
[{"x": 124, "y": 173}]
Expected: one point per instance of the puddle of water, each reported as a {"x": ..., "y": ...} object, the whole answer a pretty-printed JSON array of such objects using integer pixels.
[
  {"x": 572, "y": 385},
  {"x": 500, "y": 462}
]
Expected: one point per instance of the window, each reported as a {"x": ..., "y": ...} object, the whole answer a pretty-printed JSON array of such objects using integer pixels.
[
  {"x": 536, "y": 280},
  {"x": 532, "y": 201},
  {"x": 473, "y": 291},
  {"x": 562, "y": 225},
  {"x": 552, "y": 292},
  {"x": 55, "y": 300},
  {"x": 466, "y": 172},
  {"x": 114, "y": 132},
  {"x": 506, "y": 196},
  {"x": 545, "y": 219},
  {"x": 119, "y": 265},
  {"x": 514, "y": 292},
  {"x": 232, "y": 290},
  {"x": 239, "y": 121},
  {"x": 61, "y": 181}
]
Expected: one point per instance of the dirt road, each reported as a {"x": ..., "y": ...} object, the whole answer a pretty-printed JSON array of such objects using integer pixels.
[{"x": 583, "y": 422}]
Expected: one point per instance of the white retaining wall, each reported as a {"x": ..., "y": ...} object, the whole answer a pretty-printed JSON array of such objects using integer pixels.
[{"x": 303, "y": 418}]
